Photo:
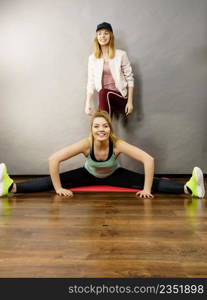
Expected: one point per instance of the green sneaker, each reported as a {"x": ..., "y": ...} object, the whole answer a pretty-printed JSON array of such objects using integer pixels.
[
  {"x": 5, "y": 180},
  {"x": 196, "y": 183}
]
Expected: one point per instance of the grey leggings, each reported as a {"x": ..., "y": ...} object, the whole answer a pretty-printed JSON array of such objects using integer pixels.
[{"x": 81, "y": 177}]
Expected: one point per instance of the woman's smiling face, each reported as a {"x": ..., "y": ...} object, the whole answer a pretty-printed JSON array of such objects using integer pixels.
[
  {"x": 100, "y": 129},
  {"x": 103, "y": 37}
]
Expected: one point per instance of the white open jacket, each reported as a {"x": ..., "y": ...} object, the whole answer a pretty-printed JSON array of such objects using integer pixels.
[{"x": 120, "y": 69}]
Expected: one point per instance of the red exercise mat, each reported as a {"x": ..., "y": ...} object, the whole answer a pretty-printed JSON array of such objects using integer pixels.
[{"x": 102, "y": 188}]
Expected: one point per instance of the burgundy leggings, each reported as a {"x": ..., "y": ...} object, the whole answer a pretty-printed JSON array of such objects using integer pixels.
[{"x": 112, "y": 101}]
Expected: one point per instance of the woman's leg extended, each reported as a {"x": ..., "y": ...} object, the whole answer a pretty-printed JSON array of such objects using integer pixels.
[
  {"x": 41, "y": 184},
  {"x": 111, "y": 101},
  {"x": 167, "y": 186},
  {"x": 73, "y": 178},
  {"x": 126, "y": 178}
]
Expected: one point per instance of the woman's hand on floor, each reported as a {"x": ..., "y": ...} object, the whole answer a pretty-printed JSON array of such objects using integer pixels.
[
  {"x": 144, "y": 194},
  {"x": 64, "y": 192}
]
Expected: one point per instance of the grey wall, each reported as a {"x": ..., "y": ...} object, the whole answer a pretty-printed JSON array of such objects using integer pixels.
[{"x": 43, "y": 72}]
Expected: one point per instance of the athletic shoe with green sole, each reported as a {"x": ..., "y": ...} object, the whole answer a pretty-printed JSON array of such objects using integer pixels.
[
  {"x": 5, "y": 180},
  {"x": 196, "y": 183}
]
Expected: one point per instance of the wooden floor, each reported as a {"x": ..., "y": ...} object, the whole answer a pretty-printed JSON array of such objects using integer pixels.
[{"x": 102, "y": 235}]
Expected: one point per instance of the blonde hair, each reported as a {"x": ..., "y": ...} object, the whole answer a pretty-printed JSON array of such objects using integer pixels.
[
  {"x": 97, "y": 48},
  {"x": 103, "y": 114}
]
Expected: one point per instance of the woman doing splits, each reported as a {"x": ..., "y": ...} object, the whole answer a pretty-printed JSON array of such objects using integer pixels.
[{"x": 101, "y": 167}]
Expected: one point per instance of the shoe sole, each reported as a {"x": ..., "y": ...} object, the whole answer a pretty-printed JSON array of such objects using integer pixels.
[
  {"x": 200, "y": 182},
  {"x": 2, "y": 168}
]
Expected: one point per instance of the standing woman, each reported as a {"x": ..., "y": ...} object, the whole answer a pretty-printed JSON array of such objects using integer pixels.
[{"x": 110, "y": 74}]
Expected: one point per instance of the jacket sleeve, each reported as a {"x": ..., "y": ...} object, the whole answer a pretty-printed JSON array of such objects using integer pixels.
[
  {"x": 127, "y": 70},
  {"x": 90, "y": 83}
]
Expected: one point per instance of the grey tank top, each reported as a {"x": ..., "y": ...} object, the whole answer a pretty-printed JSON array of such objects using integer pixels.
[{"x": 102, "y": 169}]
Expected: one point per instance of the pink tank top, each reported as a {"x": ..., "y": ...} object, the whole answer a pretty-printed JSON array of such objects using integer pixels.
[{"x": 107, "y": 79}]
